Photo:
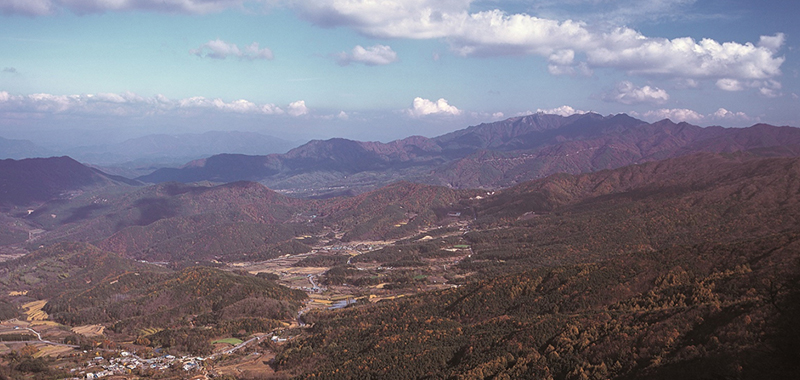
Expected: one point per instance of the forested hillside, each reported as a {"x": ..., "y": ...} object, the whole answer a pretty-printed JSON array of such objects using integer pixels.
[
  {"x": 703, "y": 311},
  {"x": 685, "y": 268}
]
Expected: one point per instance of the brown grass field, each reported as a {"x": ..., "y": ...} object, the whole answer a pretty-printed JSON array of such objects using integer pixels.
[
  {"x": 53, "y": 351},
  {"x": 33, "y": 310},
  {"x": 89, "y": 330}
]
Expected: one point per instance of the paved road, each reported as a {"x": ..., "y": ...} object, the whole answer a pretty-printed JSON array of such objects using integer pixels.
[
  {"x": 39, "y": 340},
  {"x": 238, "y": 346},
  {"x": 35, "y": 332}
]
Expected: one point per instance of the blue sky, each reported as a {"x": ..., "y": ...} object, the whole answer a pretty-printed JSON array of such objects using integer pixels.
[{"x": 386, "y": 69}]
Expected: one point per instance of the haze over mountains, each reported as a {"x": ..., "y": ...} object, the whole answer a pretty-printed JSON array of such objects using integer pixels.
[
  {"x": 137, "y": 156},
  {"x": 490, "y": 156},
  {"x": 493, "y": 155}
]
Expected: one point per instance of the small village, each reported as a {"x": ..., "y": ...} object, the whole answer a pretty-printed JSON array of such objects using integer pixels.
[
  {"x": 39, "y": 336},
  {"x": 128, "y": 363}
]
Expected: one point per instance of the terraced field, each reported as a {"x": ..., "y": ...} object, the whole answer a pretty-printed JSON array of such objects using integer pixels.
[
  {"x": 33, "y": 311},
  {"x": 89, "y": 330}
]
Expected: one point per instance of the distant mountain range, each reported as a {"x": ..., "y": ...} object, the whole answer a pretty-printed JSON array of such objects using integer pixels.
[
  {"x": 139, "y": 156},
  {"x": 493, "y": 155},
  {"x": 19, "y": 149},
  {"x": 180, "y": 148}
]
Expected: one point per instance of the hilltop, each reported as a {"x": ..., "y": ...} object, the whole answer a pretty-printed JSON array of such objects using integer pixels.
[{"x": 37, "y": 180}]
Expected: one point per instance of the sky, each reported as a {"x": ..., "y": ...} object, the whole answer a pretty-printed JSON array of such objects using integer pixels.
[{"x": 106, "y": 70}]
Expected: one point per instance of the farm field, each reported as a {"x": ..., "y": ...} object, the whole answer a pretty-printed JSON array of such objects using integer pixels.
[{"x": 89, "y": 330}]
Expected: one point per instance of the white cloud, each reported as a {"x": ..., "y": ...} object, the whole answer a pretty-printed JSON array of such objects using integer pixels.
[
  {"x": 562, "y": 57},
  {"x": 371, "y": 56},
  {"x": 721, "y": 115},
  {"x": 684, "y": 57},
  {"x": 494, "y": 32},
  {"x": 562, "y": 62},
  {"x": 131, "y": 104},
  {"x": 725, "y": 115},
  {"x": 423, "y": 107},
  {"x": 627, "y": 93},
  {"x": 675, "y": 114},
  {"x": 561, "y": 111},
  {"x": 769, "y": 88},
  {"x": 219, "y": 49},
  {"x": 297, "y": 108},
  {"x": 729, "y": 84},
  {"x": 581, "y": 68},
  {"x": 571, "y": 47},
  {"x": 772, "y": 43},
  {"x": 497, "y": 115}
]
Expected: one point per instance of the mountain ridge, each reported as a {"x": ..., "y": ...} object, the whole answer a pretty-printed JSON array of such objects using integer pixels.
[{"x": 490, "y": 155}]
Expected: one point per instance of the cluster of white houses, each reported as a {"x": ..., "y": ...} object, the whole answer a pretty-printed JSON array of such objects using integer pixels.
[{"x": 100, "y": 367}]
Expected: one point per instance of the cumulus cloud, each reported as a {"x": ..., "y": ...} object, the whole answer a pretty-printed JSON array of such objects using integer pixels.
[
  {"x": 685, "y": 57},
  {"x": 562, "y": 57},
  {"x": 562, "y": 62},
  {"x": 561, "y": 111},
  {"x": 131, "y": 104},
  {"x": 571, "y": 47},
  {"x": 236, "y": 106},
  {"x": 627, "y": 93},
  {"x": 772, "y": 43},
  {"x": 725, "y": 115},
  {"x": 769, "y": 88},
  {"x": 375, "y": 55},
  {"x": 297, "y": 108},
  {"x": 729, "y": 84},
  {"x": 423, "y": 107},
  {"x": 674, "y": 114},
  {"x": 722, "y": 115},
  {"x": 495, "y": 32},
  {"x": 219, "y": 49}
]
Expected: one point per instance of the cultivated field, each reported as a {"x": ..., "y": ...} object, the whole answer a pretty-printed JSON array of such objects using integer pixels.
[
  {"x": 33, "y": 310},
  {"x": 89, "y": 330}
]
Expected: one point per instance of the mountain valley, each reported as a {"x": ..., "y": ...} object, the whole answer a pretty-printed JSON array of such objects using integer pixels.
[{"x": 551, "y": 247}]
